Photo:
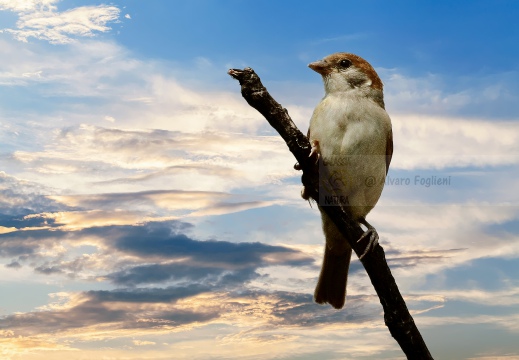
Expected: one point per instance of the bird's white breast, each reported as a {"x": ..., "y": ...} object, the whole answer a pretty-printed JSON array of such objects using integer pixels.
[{"x": 353, "y": 132}]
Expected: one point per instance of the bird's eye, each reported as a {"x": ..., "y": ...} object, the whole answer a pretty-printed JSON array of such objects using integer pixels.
[{"x": 345, "y": 63}]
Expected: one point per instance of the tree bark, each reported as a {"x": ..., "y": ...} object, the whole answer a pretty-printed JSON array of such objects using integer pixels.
[{"x": 396, "y": 315}]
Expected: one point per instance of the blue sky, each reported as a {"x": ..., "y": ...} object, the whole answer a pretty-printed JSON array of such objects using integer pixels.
[{"x": 146, "y": 210}]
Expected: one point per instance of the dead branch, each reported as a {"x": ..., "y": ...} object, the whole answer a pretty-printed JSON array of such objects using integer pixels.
[{"x": 396, "y": 315}]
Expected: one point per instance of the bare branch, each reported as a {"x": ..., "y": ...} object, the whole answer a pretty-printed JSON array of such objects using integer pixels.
[{"x": 396, "y": 315}]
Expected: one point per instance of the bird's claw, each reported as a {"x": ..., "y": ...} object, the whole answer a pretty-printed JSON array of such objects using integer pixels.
[
  {"x": 304, "y": 193},
  {"x": 314, "y": 152},
  {"x": 372, "y": 236}
]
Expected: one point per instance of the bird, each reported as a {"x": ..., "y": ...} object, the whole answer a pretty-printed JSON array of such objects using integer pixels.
[{"x": 351, "y": 135}]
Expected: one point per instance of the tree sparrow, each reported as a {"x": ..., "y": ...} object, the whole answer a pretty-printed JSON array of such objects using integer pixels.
[{"x": 351, "y": 134}]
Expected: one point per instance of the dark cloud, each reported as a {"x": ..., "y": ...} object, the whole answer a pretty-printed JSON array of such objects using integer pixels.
[
  {"x": 13, "y": 265},
  {"x": 105, "y": 307},
  {"x": 160, "y": 253},
  {"x": 18, "y": 247},
  {"x": 83, "y": 315},
  {"x": 209, "y": 262},
  {"x": 399, "y": 259},
  {"x": 22, "y": 220},
  {"x": 176, "y": 257},
  {"x": 158, "y": 239},
  {"x": 27, "y": 244},
  {"x": 19, "y": 198},
  {"x": 147, "y": 295},
  {"x": 154, "y": 273},
  {"x": 48, "y": 270},
  {"x": 300, "y": 309},
  {"x": 134, "y": 309},
  {"x": 180, "y": 272}
]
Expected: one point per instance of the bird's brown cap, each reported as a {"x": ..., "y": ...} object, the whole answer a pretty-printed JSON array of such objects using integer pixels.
[{"x": 333, "y": 63}]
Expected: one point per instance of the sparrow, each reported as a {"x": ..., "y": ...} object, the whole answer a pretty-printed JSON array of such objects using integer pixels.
[{"x": 351, "y": 136}]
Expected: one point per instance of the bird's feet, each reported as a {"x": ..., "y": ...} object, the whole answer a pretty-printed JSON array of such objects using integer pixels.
[
  {"x": 371, "y": 235},
  {"x": 314, "y": 154},
  {"x": 304, "y": 194}
]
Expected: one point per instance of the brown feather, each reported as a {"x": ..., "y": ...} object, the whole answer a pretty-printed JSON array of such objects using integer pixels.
[
  {"x": 389, "y": 149},
  {"x": 360, "y": 63}
]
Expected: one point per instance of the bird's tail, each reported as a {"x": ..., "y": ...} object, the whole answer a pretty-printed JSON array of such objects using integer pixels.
[{"x": 331, "y": 287}]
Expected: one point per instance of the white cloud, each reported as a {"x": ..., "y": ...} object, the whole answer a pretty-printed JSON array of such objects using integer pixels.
[
  {"x": 39, "y": 19},
  {"x": 420, "y": 93},
  {"x": 146, "y": 95},
  {"x": 143, "y": 343},
  {"x": 154, "y": 159},
  {"x": 433, "y": 238},
  {"x": 139, "y": 94},
  {"x": 6, "y": 230},
  {"x": 210, "y": 140},
  {"x": 22, "y": 6},
  {"x": 425, "y": 142},
  {"x": 492, "y": 94},
  {"x": 77, "y": 220}
]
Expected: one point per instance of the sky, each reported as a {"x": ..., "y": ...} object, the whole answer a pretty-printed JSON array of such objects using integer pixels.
[{"x": 147, "y": 212}]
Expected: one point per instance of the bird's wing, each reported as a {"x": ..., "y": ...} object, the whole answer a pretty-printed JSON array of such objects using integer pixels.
[{"x": 389, "y": 149}]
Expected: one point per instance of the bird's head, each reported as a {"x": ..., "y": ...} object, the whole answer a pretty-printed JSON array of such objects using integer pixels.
[{"x": 345, "y": 72}]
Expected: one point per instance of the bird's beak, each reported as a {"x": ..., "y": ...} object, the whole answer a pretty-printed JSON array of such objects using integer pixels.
[{"x": 319, "y": 66}]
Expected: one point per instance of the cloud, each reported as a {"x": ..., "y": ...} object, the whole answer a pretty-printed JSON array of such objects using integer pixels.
[
  {"x": 14, "y": 264},
  {"x": 154, "y": 158},
  {"x": 178, "y": 202},
  {"x": 147, "y": 295},
  {"x": 82, "y": 315},
  {"x": 5, "y": 230},
  {"x": 161, "y": 240},
  {"x": 107, "y": 217},
  {"x": 76, "y": 220},
  {"x": 162, "y": 273},
  {"x": 143, "y": 343},
  {"x": 20, "y": 197},
  {"x": 143, "y": 207},
  {"x": 139, "y": 94},
  {"x": 48, "y": 270},
  {"x": 487, "y": 95},
  {"x": 220, "y": 273},
  {"x": 155, "y": 309},
  {"x": 175, "y": 257},
  {"x": 28, "y": 5},
  {"x": 39, "y": 19},
  {"x": 418, "y": 258},
  {"x": 141, "y": 158},
  {"x": 30, "y": 244},
  {"x": 285, "y": 321},
  {"x": 433, "y": 142},
  {"x": 206, "y": 283}
]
